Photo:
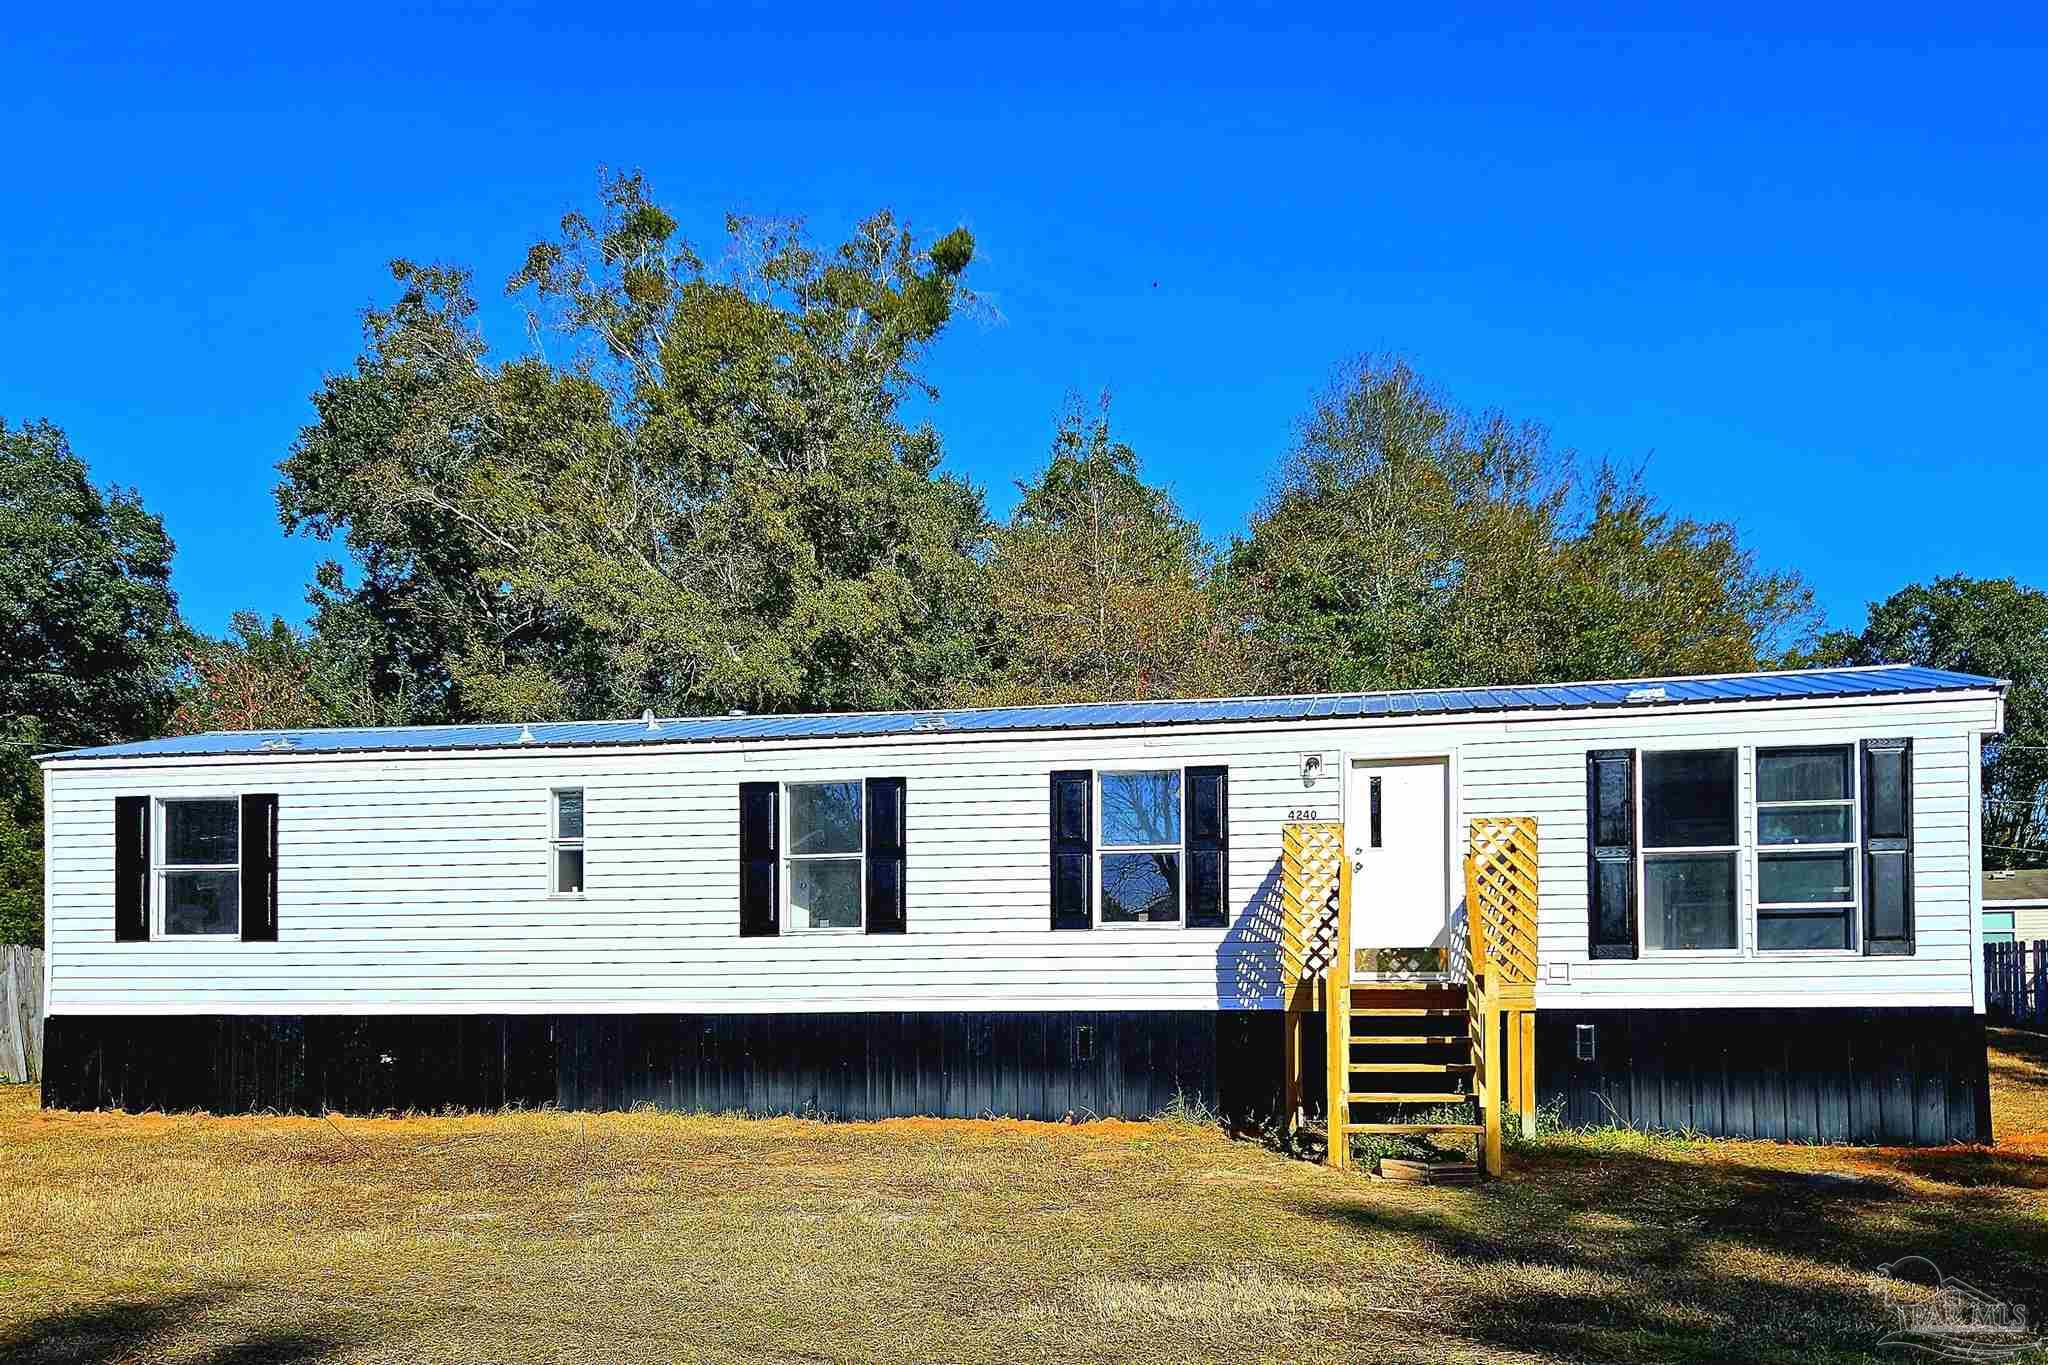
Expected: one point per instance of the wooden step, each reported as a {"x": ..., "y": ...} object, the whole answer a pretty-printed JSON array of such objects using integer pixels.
[
  {"x": 1408, "y": 1012},
  {"x": 1415, "y": 1127},
  {"x": 1403, "y": 1097},
  {"x": 1407, "y": 1039},
  {"x": 1445, "y": 987},
  {"x": 1357, "y": 1067}
]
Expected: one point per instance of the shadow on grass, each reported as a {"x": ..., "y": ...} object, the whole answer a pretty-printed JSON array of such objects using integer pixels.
[
  {"x": 140, "y": 1330},
  {"x": 2019, "y": 1059},
  {"x": 1601, "y": 1255}
]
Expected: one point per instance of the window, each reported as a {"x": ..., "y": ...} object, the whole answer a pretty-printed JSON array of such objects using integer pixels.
[
  {"x": 1806, "y": 848},
  {"x": 1138, "y": 848},
  {"x": 567, "y": 841},
  {"x": 1998, "y": 926},
  {"x": 1691, "y": 848},
  {"x": 199, "y": 873},
  {"x": 827, "y": 885}
]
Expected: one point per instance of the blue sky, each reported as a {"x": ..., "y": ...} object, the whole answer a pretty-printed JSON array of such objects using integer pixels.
[{"x": 1795, "y": 264}]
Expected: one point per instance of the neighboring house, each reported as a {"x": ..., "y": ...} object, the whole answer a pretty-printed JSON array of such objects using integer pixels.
[
  {"x": 2016, "y": 905},
  {"x": 1038, "y": 911}
]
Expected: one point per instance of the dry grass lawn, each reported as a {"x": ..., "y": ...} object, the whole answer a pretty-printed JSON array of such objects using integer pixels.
[{"x": 653, "y": 1237}]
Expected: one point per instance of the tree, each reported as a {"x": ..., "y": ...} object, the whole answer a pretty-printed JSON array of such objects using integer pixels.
[
  {"x": 87, "y": 625},
  {"x": 1102, "y": 588},
  {"x": 274, "y": 677},
  {"x": 1409, "y": 544},
  {"x": 712, "y": 502},
  {"x": 1998, "y": 628}
]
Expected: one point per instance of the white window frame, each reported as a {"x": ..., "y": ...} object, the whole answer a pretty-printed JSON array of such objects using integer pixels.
[
  {"x": 1853, "y": 847},
  {"x": 161, "y": 870},
  {"x": 1644, "y": 853},
  {"x": 790, "y": 857},
  {"x": 1100, "y": 849},
  {"x": 556, "y": 843}
]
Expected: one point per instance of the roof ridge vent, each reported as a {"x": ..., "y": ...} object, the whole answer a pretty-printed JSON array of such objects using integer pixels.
[
  {"x": 1642, "y": 694},
  {"x": 932, "y": 723},
  {"x": 278, "y": 743}
]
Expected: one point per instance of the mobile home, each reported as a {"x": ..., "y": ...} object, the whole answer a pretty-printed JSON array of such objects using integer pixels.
[{"x": 1756, "y": 904}]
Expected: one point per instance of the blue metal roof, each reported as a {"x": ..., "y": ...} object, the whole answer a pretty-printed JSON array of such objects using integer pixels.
[{"x": 1888, "y": 680}]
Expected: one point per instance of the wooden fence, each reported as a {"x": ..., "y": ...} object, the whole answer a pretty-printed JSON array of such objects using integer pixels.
[
  {"x": 2016, "y": 984},
  {"x": 21, "y": 1013}
]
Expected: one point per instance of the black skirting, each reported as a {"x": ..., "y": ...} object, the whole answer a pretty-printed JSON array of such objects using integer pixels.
[
  {"x": 1900, "y": 1076},
  {"x": 1040, "y": 1065}
]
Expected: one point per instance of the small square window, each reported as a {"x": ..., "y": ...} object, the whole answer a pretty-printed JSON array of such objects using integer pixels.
[
  {"x": 1689, "y": 799},
  {"x": 1140, "y": 810},
  {"x": 824, "y": 817},
  {"x": 202, "y": 902},
  {"x": 201, "y": 833},
  {"x": 1689, "y": 900},
  {"x": 1140, "y": 888}
]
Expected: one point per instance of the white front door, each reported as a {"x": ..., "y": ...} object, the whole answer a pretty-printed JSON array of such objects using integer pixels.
[{"x": 1397, "y": 824}]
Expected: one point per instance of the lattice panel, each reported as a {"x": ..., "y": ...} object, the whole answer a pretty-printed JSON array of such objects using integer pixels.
[
  {"x": 1501, "y": 871},
  {"x": 1311, "y": 869},
  {"x": 1398, "y": 964}
]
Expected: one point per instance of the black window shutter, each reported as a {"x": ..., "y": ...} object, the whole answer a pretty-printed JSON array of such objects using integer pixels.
[
  {"x": 131, "y": 868},
  {"x": 1611, "y": 853},
  {"x": 259, "y": 868},
  {"x": 1888, "y": 847},
  {"x": 1073, "y": 848},
  {"x": 760, "y": 860},
  {"x": 885, "y": 855},
  {"x": 1206, "y": 835}
]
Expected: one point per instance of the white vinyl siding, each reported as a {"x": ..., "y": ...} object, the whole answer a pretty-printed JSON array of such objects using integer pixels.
[{"x": 422, "y": 883}]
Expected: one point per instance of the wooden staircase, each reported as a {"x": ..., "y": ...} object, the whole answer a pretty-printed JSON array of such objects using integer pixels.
[
  {"x": 1409, "y": 1046},
  {"x": 1400, "y": 1049}
]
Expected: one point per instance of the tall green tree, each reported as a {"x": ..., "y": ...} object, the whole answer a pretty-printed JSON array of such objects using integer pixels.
[
  {"x": 88, "y": 626},
  {"x": 1102, "y": 588},
  {"x": 711, "y": 499},
  {"x": 1407, "y": 543},
  {"x": 1991, "y": 626}
]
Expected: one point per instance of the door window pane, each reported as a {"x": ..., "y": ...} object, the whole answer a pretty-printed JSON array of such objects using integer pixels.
[
  {"x": 1689, "y": 799},
  {"x": 202, "y": 902},
  {"x": 1689, "y": 901},
  {"x": 824, "y": 817},
  {"x": 1804, "y": 825},
  {"x": 1802, "y": 774},
  {"x": 568, "y": 871},
  {"x": 1140, "y": 888},
  {"x": 1140, "y": 808},
  {"x": 201, "y": 832},
  {"x": 1805, "y": 878},
  {"x": 824, "y": 893},
  {"x": 1780, "y": 933}
]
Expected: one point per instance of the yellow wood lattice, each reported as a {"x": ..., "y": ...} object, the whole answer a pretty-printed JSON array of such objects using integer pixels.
[
  {"x": 1311, "y": 862},
  {"x": 1501, "y": 875}
]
